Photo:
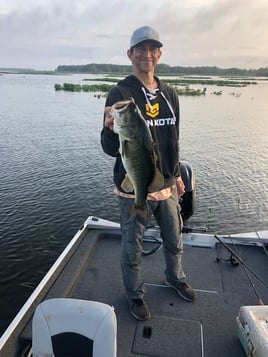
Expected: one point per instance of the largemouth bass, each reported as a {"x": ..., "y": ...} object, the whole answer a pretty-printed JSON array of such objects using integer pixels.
[{"x": 137, "y": 152}]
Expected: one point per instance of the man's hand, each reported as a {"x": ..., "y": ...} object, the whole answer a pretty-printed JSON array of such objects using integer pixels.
[
  {"x": 109, "y": 119},
  {"x": 180, "y": 186}
]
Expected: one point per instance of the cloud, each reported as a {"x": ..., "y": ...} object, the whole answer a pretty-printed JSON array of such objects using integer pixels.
[
  {"x": 195, "y": 32},
  {"x": 224, "y": 33}
]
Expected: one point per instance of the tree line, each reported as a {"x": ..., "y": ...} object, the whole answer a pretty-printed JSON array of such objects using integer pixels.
[{"x": 96, "y": 68}]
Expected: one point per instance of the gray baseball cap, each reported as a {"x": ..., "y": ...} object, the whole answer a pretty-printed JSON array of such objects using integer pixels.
[{"x": 145, "y": 33}]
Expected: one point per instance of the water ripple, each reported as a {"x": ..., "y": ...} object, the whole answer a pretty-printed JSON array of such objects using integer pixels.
[{"x": 54, "y": 173}]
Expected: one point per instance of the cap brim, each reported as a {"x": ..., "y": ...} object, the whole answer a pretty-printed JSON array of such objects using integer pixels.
[{"x": 157, "y": 43}]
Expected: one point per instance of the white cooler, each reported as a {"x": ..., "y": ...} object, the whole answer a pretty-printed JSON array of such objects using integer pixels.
[{"x": 252, "y": 324}]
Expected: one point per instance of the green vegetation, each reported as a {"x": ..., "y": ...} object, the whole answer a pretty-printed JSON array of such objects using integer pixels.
[
  {"x": 104, "y": 88},
  {"x": 103, "y": 79},
  {"x": 165, "y": 69},
  {"x": 27, "y": 71},
  {"x": 189, "y": 91},
  {"x": 185, "y": 81},
  {"x": 161, "y": 69},
  {"x": 71, "y": 87},
  {"x": 209, "y": 81},
  {"x": 180, "y": 84}
]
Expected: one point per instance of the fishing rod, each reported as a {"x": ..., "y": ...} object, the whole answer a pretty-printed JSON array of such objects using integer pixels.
[
  {"x": 241, "y": 261},
  {"x": 262, "y": 243},
  {"x": 260, "y": 302},
  {"x": 158, "y": 242}
]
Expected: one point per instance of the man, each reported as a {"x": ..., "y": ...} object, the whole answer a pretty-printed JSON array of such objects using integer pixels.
[{"x": 159, "y": 106}]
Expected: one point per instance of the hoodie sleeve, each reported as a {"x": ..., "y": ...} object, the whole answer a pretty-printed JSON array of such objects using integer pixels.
[
  {"x": 177, "y": 114},
  {"x": 110, "y": 140},
  {"x": 174, "y": 100}
]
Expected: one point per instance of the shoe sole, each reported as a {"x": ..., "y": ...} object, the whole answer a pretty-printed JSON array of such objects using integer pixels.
[
  {"x": 179, "y": 293},
  {"x": 138, "y": 318}
]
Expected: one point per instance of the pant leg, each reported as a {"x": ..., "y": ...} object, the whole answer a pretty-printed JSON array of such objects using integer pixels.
[
  {"x": 132, "y": 229},
  {"x": 170, "y": 223}
]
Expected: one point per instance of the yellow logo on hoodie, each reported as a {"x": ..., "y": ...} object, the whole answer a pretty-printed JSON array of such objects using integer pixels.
[{"x": 152, "y": 110}]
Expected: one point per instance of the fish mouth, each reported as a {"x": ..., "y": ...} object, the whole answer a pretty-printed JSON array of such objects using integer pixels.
[{"x": 123, "y": 105}]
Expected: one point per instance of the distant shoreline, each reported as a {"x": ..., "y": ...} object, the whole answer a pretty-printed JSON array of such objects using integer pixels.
[{"x": 161, "y": 69}]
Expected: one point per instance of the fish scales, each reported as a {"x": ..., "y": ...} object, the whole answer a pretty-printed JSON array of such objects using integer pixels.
[
  {"x": 139, "y": 166},
  {"x": 136, "y": 149}
]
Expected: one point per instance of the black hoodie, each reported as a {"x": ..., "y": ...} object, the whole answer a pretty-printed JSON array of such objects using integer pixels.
[{"x": 162, "y": 113}]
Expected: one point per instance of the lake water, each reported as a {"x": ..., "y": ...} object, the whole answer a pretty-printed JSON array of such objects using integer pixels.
[{"x": 54, "y": 173}]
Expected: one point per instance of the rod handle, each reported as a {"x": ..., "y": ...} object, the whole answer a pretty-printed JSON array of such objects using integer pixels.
[{"x": 260, "y": 302}]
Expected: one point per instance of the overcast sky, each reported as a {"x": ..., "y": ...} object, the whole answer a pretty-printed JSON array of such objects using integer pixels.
[{"x": 42, "y": 34}]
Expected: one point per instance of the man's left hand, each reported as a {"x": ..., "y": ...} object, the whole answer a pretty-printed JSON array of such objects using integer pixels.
[{"x": 180, "y": 186}]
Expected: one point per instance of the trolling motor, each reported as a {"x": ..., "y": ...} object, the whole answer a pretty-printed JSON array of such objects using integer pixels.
[{"x": 187, "y": 201}]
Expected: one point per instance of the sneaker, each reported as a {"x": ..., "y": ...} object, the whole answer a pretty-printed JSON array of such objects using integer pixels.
[
  {"x": 139, "y": 309},
  {"x": 184, "y": 290}
]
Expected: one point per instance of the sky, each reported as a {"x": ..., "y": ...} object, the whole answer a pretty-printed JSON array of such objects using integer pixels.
[{"x": 43, "y": 34}]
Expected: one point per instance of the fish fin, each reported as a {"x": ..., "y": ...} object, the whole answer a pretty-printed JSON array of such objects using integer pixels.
[
  {"x": 142, "y": 212},
  {"x": 127, "y": 185},
  {"x": 157, "y": 182}
]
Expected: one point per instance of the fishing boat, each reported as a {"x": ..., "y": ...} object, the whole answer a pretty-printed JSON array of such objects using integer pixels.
[{"x": 227, "y": 272}]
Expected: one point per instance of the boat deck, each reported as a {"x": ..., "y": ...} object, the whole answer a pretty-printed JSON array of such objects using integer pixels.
[{"x": 206, "y": 327}]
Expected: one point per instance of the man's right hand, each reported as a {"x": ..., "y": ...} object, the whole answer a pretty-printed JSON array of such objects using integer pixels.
[{"x": 109, "y": 119}]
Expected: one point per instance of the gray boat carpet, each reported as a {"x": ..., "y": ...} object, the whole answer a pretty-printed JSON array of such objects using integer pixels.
[{"x": 206, "y": 327}]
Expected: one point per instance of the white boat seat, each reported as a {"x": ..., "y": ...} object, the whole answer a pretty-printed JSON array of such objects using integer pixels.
[{"x": 74, "y": 328}]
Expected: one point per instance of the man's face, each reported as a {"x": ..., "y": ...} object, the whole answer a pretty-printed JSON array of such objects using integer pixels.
[{"x": 144, "y": 56}]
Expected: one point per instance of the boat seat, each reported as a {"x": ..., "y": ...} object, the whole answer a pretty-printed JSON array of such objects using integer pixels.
[{"x": 74, "y": 328}]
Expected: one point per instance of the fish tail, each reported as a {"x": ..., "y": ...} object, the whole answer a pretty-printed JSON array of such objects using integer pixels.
[{"x": 142, "y": 212}]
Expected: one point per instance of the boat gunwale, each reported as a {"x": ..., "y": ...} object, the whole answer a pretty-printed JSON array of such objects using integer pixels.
[
  {"x": 43, "y": 286},
  {"x": 24, "y": 315}
]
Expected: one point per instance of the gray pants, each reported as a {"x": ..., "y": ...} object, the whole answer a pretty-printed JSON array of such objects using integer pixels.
[{"x": 132, "y": 229}]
